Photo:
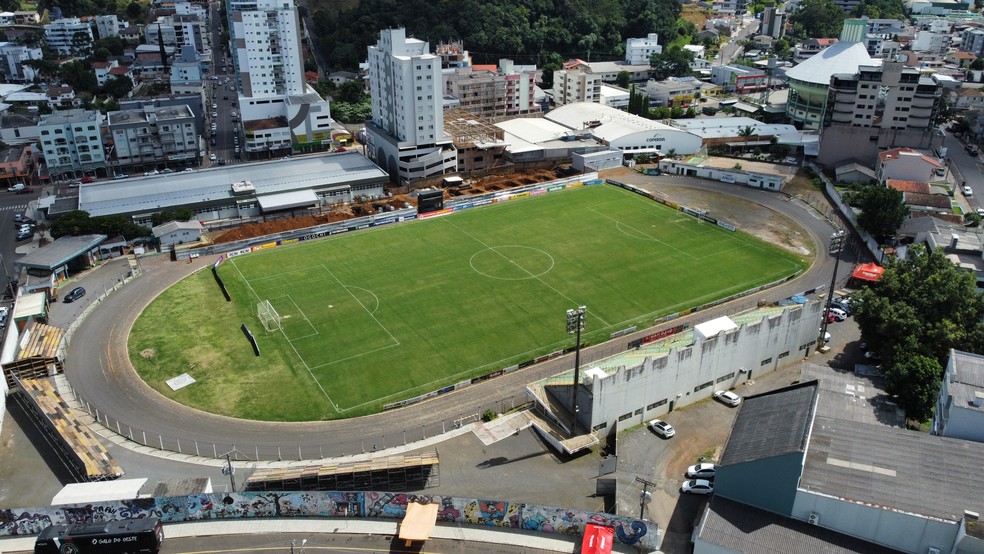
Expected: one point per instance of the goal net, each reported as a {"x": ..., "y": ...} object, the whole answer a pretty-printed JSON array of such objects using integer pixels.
[{"x": 268, "y": 316}]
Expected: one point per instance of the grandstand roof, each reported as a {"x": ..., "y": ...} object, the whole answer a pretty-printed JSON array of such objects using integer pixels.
[
  {"x": 614, "y": 123},
  {"x": 842, "y": 57}
]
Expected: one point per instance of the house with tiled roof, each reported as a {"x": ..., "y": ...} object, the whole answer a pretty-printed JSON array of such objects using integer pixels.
[
  {"x": 960, "y": 58},
  {"x": 101, "y": 70},
  {"x": 904, "y": 186},
  {"x": 62, "y": 97},
  {"x": 968, "y": 98},
  {"x": 906, "y": 164}
]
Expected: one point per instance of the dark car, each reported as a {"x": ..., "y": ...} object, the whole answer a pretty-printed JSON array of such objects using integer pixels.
[
  {"x": 74, "y": 294},
  {"x": 24, "y": 235}
]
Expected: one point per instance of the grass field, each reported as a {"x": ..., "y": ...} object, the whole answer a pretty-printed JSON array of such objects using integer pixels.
[{"x": 392, "y": 312}]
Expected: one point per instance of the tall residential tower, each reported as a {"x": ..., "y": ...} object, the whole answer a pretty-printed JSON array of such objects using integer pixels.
[
  {"x": 266, "y": 47},
  {"x": 406, "y": 135}
]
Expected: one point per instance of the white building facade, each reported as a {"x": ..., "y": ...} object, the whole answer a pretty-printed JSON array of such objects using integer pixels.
[
  {"x": 12, "y": 58},
  {"x": 575, "y": 85},
  {"x": 406, "y": 134},
  {"x": 108, "y": 26},
  {"x": 69, "y": 36},
  {"x": 153, "y": 136},
  {"x": 639, "y": 50},
  {"x": 266, "y": 35}
]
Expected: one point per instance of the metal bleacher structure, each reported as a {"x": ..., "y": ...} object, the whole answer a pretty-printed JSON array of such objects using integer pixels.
[
  {"x": 29, "y": 377},
  {"x": 401, "y": 472},
  {"x": 78, "y": 447}
]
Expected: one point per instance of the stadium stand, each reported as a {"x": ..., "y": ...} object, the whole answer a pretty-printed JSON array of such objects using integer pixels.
[
  {"x": 403, "y": 472},
  {"x": 78, "y": 447}
]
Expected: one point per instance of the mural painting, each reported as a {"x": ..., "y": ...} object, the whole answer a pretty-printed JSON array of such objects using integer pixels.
[{"x": 373, "y": 504}]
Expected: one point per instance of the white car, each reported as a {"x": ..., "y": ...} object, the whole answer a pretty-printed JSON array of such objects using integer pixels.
[
  {"x": 697, "y": 486},
  {"x": 701, "y": 471},
  {"x": 3, "y": 315},
  {"x": 212, "y": 157},
  {"x": 727, "y": 397},
  {"x": 968, "y": 191},
  {"x": 662, "y": 428}
]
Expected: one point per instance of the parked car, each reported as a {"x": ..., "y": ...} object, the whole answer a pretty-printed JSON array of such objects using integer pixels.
[
  {"x": 4, "y": 311},
  {"x": 842, "y": 306},
  {"x": 17, "y": 187},
  {"x": 24, "y": 235},
  {"x": 212, "y": 157},
  {"x": 839, "y": 314},
  {"x": 697, "y": 486},
  {"x": 872, "y": 355},
  {"x": 73, "y": 295},
  {"x": 728, "y": 398},
  {"x": 968, "y": 191},
  {"x": 120, "y": 176},
  {"x": 87, "y": 179},
  {"x": 662, "y": 428},
  {"x": 701, "y": 471}
]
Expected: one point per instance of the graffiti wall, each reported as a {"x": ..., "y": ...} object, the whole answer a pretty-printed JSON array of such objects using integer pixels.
[{"x": 387, "y": 505}]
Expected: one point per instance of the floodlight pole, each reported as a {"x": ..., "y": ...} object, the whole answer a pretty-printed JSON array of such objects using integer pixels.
[
  {"x": 575, "y": 323},
  {"x": 837, "y": 241}
]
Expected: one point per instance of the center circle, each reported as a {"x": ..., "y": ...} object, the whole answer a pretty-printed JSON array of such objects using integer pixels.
[{"x": 511, "y": 262}]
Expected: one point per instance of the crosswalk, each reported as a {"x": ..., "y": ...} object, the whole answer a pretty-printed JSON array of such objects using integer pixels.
[{"x": 17, "y": 208}]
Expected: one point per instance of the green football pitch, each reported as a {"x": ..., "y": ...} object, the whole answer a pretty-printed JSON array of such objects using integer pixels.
[{"x": 392, "y": 312}]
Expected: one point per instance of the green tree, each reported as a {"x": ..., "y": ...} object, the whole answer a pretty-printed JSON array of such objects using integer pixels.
[
  {"x": 915, "y": 381},
  {"x": 118, "y": 87},
  {"x": 882, "y": 211},
  {"x": 78, "y": 76},
  {"x": 113, "y": 44},
  {"x": 160, "y": 218},
  {"x": 623, "y": 78},
  {"x": 72, "y": 224},
  {"x": 746, "y": 133},
  {"x": 672, "y": 62},
  {"x": 921, "y": 307},
  {"x": 977, "y": 64},
  {"x": 817, "y": 18},
  {"x": 99, "y": 55}
]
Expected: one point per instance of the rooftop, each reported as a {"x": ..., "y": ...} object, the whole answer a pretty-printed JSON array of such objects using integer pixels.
[
  {"x": 772, "y": 424},
  {"x": 841, "y": 57},
  {"x": 69, "y": 116},
  {"x": 607, "y": 122},
  {"x": 60, "y": 251},
  {"x": 966, "y": 380},
  {"x": 738, "y": 527},
  {"x": 891, "y": 468},
  {"x": 150, "y": 194}
]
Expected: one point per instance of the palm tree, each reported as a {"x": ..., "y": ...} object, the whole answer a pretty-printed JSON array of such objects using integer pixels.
[{"x": 746, "y": 132}]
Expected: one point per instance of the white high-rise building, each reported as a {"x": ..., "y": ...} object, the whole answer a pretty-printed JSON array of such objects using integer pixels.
[
  {"x": 639, "y": 50},
  {"x": 266, "y": 35},
  {"x": 406, "y": 135},
  {"x": 70, "y": 35}
]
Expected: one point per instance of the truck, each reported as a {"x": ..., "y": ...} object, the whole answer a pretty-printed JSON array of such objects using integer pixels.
[
  {"x": 17, "y": 187},
  {"x": 125, "y": 536}
]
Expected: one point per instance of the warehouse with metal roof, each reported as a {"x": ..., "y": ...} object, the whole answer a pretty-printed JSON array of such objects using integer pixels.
[
  {"x": 235, "y": 191},
  {"x": 627, "y": 132}
]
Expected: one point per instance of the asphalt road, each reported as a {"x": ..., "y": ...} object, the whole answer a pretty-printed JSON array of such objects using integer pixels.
[{"x": 98, "y": 369}]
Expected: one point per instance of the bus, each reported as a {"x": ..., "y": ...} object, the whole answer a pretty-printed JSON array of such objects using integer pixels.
[{"x": 126, "y": 536}]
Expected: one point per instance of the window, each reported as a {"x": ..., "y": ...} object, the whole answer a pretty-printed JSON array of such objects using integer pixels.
[
  {"x": 625, "y": 416},
  {"x": 766, "y": 361},
  {"x": 703, "y": 386},
  {"x": 725, "y": 377}
]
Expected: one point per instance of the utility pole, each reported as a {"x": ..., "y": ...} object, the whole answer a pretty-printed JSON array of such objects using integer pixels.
[
  {"x": 646, "y": 496},
  {"x": 575, "y": 323},
  {"x": 837, "y": 241}
]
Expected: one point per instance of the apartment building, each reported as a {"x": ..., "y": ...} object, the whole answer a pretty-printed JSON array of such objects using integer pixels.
[
  {"x": 153, "y": 136},
  {"x": 186, "y": 72},
  {"x": 506, "y": 92},
  {"x": 69, "y": 36},
  {"x": 972, "y": 40},
  {"x": 71, "y": 141},
  {"x": 12, "y": 58},
  {"x": 911, "y": 100},
  {"x": 639, "y": 50},
  {"x": 453, "y": 55},
  {"x": 267, "y": 39},
  {"x": 177, "y": 31},
  {"x": 575, "y": 85},
  {"x": 109, "y": 26},
  {"x": 406, "y": 135}
]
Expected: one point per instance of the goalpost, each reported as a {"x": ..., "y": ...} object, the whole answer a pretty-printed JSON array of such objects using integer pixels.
[{"x": 268, "y": 316}]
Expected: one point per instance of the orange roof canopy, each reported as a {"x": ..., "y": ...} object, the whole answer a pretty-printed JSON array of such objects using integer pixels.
[{"x": 868, "y": 272}]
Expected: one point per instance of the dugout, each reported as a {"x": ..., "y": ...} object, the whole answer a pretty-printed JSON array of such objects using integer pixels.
[{"x": 430, "y": 200}]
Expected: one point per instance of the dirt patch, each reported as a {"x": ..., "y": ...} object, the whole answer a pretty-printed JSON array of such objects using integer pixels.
[
  {"x": 148, "y": 353},
  {"x": 396, "y": 201},
  {"x": 754, "y": 219}
]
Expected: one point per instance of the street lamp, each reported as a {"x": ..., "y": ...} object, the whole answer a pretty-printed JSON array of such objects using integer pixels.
[
  {"x": 837, "y": 241},
  {"x": 575, "y": 324}
]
